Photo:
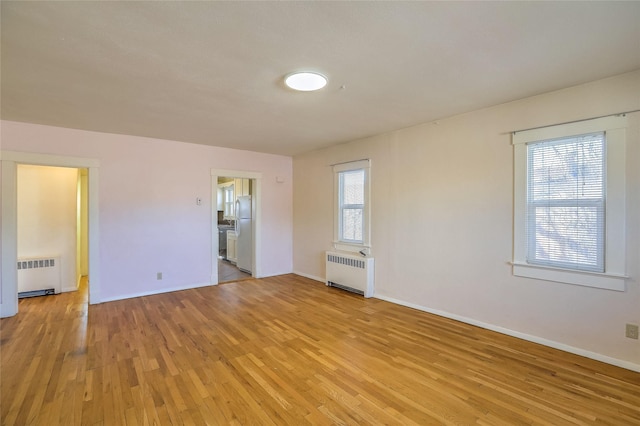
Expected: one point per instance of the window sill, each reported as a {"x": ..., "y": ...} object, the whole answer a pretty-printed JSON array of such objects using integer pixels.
[
  {"x": 351, "y": 247},
  {"x": 605, "y": 281}
]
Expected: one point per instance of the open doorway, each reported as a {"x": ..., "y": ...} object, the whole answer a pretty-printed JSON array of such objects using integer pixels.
[
  {"x": 235, "y": 214},
  {"x": 236, "y": 225},
  {"x": 52, "y": 229},
  {"x": 9, "y": 162}
]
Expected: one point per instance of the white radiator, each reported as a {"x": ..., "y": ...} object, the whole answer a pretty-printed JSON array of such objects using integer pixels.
[
  {"x": 39, "y": 276},
  {"x": 352, "y": 273}
]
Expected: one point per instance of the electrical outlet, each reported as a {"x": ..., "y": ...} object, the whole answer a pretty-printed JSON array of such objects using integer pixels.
[
  {"x": 159, "y": 277},
  {"x": 631, "y": 331}
]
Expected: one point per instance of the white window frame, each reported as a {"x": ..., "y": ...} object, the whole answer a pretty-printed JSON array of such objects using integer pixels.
[
  {"x": 613, "y": 277},
  {"x": 340, "y": 243},
  {"x": 228, "y": 200},
  {"x": 593, "y": 202}
]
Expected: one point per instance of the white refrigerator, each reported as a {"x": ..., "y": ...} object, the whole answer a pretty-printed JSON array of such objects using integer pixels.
[{"x": 244, "y": 244}]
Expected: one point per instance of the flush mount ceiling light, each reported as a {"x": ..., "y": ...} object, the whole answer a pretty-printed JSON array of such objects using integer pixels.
[{"x": 306, "y": 81}]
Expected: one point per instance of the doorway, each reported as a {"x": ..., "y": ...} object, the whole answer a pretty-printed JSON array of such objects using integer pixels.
[
  {"x": 236, "y": 225},
  {"x": 52, "y": 213},
  {"x": 9, "y": 226}
]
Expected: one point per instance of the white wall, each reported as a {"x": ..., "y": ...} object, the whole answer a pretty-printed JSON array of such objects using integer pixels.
[
  {"x": 442, "y": 225},
  {"x": 82, "y": 268},
  {"x": 1, "y": 249},
  {"x": 47, "y": 199},
  {"x": 148, "y": 218}
]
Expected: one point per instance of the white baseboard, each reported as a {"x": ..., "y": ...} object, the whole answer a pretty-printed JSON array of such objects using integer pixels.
[
  {"x": 159, "y": 291},
  {"x": 535, "y": 339},
  {"x": 311, "y": 277},
  {"x": 274, "y": 274}
]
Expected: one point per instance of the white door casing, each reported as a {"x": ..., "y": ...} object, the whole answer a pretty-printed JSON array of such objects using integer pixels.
[
  {"x": 8, "y": 274},
  {"x": 257, "y": 222}
]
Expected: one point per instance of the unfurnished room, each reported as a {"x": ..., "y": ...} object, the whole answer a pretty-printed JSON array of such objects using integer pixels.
[{"x": 319, "y": 213}]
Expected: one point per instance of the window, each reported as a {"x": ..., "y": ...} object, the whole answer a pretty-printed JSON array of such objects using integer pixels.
[
  {"x": 229, "y": 202},
  {"x": 351, "y": 206},
  {"x": 569, "y": 203},
  {"x": 565, "y": 202},
  {"x": 352, "y": 212}
]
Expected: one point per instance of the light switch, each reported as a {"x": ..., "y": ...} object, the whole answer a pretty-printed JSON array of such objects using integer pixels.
[{"x": 198, "y": 201}]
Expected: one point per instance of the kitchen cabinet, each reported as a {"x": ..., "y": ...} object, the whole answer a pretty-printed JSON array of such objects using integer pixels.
[
  {"x": 243, "y": 187},
  {"x": 231, "y": 247},
  {"x": 222, "y": 239}
]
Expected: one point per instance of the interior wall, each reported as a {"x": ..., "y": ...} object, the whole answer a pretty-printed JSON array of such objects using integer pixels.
[
  {"x": 442, "y": 221},
  {"x": 149, "y": 221},
  {"x": 82, "y": 225},
  {"x": 1, "y": 249},
  {"x": 46, "y": 210}
]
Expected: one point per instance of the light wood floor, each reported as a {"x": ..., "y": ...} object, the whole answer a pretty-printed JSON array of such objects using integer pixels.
[{"x": 287, "y": 351}]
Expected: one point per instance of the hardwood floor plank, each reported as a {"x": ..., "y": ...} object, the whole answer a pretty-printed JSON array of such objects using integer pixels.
[{"x": 287, "y": 350}]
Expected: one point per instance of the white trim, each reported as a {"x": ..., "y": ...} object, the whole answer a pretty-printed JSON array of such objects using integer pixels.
[
  {"x": 615, "y": 233},
  {"x": 570, "y": 129},
  {"x": 49, "y": 160},
  {"x": 351, "y": 165},
  {"x": 154, "y": 292},
  {"x": 242, "y": 174},
  {"x": 9, "y": 278},
  {"x": 584, "y": 278},
  {"x": 353, "y": 247},
  {"x": 94, "y": 282},
  {"x": 256, "y": 267},
  {"x": 10, "y": 159},
  {"x": 535, "y": 339},
  {"x": 311, "y": 277},
  {"x": 275, "y": 274},
  {"x": 615, "y": 244}
]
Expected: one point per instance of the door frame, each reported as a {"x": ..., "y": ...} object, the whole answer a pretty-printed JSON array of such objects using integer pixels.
[
  {"x": 9, "y": 198},
  {"x": 256, "y": 260}
]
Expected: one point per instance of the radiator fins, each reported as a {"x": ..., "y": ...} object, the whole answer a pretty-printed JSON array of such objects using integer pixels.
[{"x": 350, "y": 273}]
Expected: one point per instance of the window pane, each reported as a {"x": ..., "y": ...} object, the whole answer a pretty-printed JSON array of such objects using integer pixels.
[
  {"x": 353, "y": 187},
  {"x": 568, "y": 235},
  {"x": 352, "y": 224},
  {"x": 567, "y": 169},
  {"x": 566, "y": 202}
]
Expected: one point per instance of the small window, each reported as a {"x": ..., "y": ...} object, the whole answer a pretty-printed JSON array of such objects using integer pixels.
[
  {"x": 352, "y": 212},
  {"x": 351, "y": 206},
  {"x": 569, "y": 212},
  {"x": 229, "y": 202}
]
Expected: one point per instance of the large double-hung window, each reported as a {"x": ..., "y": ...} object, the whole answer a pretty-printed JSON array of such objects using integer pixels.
[
  {"x": 570, "y": 203},
  {"x": 566, "y": 202}
]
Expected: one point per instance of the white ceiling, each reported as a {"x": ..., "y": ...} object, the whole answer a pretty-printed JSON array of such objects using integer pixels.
[{"x": 211, "y": 72}]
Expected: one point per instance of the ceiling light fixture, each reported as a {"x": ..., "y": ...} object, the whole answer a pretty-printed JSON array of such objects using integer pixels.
[{"x": 306, "y": 81}]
